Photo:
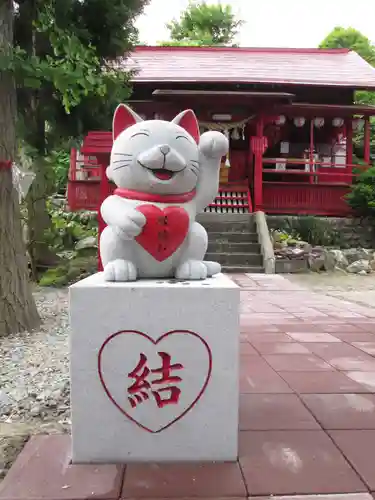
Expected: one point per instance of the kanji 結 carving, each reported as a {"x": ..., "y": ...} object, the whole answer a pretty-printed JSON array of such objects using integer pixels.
[{"x": 144, "y": 385}]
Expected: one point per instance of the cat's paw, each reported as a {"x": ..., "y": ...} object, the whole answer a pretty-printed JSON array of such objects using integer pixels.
[
  {"x": 132, "y": 225},
  {"x": 213, "y": 144},
  {"x": 212, "y": 268},
  {"x": 120, "y": 270},
  {"x": 192, "y": 270}
]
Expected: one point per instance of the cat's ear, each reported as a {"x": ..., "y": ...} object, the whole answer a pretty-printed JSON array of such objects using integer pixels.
[
  {"x": 123, "y": 118},
  {"x": 188, "y": 121}
]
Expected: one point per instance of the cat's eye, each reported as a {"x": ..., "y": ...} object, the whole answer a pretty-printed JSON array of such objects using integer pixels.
[
  {"x": 182, "y": 137},
  {"x": 140, "y": 133}
]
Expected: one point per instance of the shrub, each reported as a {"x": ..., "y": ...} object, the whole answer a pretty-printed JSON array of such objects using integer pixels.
[
  {"x": 67, "y": 228},
  {"x": 70, "y": 271},
  {"x": 313, "y": 230},
  {"x": 362, "y": 195}
]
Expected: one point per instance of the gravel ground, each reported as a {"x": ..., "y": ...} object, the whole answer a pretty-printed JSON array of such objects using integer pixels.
[
  {"x": 34, "y": 373},
  {"x": 34, "y": 378}
]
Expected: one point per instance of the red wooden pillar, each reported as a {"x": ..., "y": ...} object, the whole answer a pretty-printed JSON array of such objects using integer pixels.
[
  {"x": 258, "y": 165},
  {"x": 349, "y": 142},
  {"x": 104, "y": 192},
  {"x": 311, "y": 155},
  {"x": 367, "y": 140}
]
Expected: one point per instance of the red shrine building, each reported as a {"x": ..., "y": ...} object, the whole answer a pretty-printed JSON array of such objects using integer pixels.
[{"x": 290, "y": 116}]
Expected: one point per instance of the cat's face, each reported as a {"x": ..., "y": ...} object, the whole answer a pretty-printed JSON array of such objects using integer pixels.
[{"x": 154, "y": 156}]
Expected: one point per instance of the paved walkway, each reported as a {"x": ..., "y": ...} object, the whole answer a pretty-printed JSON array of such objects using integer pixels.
[
  {"x": 307, "y": 416},
  {"x": 307, "y": 412}
]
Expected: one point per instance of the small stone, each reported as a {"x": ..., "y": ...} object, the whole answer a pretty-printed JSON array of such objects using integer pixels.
[
  {"x": 356, "y": 254},
  {"x": 340, "y": 260},
  {"x": 35, "y": 411},
  {"x": 358, "y": 266},
  {"x": 5, "y": 403},
  {"x": 362, "y": 273}
]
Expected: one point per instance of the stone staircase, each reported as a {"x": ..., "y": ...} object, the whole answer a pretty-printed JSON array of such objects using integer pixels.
[{"x": 233, "y": 241}]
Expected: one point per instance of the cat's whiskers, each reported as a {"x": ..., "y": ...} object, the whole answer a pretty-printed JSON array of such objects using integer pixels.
[
  {"x": 123, "y": 165},
  {"x": 194, "y": 167},
  {"x": 123, "y": 154}
]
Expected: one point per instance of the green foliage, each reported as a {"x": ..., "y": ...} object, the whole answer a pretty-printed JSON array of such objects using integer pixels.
[
  {"x": 204, "y": 24},
  {"x": 70, "y": 271},
  {"x": 313, "y": 230},
  {"x": 362, "y": 195},
  {"x": 350, "y": 38},
  {"x": 59, "y": 163},
  {"x": 67, "y": 228},
  {"x": 63, "y": 62},
  {"x": 71, "y": 67}
]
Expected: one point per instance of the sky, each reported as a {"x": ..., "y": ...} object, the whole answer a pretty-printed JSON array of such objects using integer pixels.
[{"x": 272, "y": 23}]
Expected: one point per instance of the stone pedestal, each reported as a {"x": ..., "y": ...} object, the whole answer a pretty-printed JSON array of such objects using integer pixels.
[{"x": 154, "y": 370}]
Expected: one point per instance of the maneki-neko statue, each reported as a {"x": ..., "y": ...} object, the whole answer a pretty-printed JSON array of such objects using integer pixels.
[{"x": 166, "y": 173}]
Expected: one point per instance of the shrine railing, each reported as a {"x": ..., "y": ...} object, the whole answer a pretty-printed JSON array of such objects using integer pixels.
[{"x": 318, "y": 190}]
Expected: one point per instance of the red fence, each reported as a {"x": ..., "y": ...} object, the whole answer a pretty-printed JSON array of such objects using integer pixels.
[
  {"x": 316, "y": 199},
  {"x": 320, "y": 191}
]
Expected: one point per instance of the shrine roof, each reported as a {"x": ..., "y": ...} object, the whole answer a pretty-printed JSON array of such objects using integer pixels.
[{"x": 318, "y": 67}]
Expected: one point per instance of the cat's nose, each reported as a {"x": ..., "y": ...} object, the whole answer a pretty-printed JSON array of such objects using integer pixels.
[{"x": 165, "y": 149}]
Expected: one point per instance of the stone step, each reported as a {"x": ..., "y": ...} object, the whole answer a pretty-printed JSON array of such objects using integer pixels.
[
  {"x": 229, "y": 227},
  {"x": 230, "y": 237},
  {"x": 235, "y": 247},
  {"x": 234, "y": 259},
  {"x": 215, "y": 217},
  {"x": 243, "y": 269}
]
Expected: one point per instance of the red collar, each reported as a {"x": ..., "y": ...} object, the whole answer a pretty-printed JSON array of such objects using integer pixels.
[{"x": 155, "y": 198}]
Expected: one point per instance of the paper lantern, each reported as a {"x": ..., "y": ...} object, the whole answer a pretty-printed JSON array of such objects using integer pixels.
[
  {"x": 299, "y": 121},
  {"x": 280, "y": 120},
  {"x": 358, "y": 124},
  {"x": 338, "y": 122},
  {"x": 319, "y": 122}
]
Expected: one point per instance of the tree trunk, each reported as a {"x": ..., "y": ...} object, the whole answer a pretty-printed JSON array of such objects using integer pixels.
[
  {"x": 17, "y": 307},
  {"x": 38, "y": 221}
]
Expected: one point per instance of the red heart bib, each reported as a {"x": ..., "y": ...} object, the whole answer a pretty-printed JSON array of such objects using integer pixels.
[{"x": 164, "y": 232}]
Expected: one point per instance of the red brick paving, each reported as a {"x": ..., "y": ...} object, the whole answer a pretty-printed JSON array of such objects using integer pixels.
[{"x": 307, "y": 414}]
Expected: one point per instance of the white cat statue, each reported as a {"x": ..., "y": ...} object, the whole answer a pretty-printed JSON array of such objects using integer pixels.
[{"x": 165, "y": 174}]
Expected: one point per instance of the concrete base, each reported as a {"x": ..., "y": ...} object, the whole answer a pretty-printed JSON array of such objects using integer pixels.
[{"x": 154, "y": 370}]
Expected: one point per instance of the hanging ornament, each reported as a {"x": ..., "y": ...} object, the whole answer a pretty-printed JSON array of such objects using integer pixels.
[
  {"x": 280, "y": 120},
  {"x": 299, "y": 121},
  {"x": 319, "y": 122},
  {"x": 235, "y": 134},
  {"x": 338, "y": 122},
  {"x": 22, "y": 180},
  {"x": 358, "y": 124},
  {"x": 227, "y": 162}
]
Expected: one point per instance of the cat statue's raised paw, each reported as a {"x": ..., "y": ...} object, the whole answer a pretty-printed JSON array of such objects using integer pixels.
[{"x": 165, "y": 174}]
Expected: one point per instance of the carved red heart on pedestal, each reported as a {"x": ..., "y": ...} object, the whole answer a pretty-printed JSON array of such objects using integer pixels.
[
  {"x": 164, "y": 232},
  {"x": 155, "y": 383}
]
